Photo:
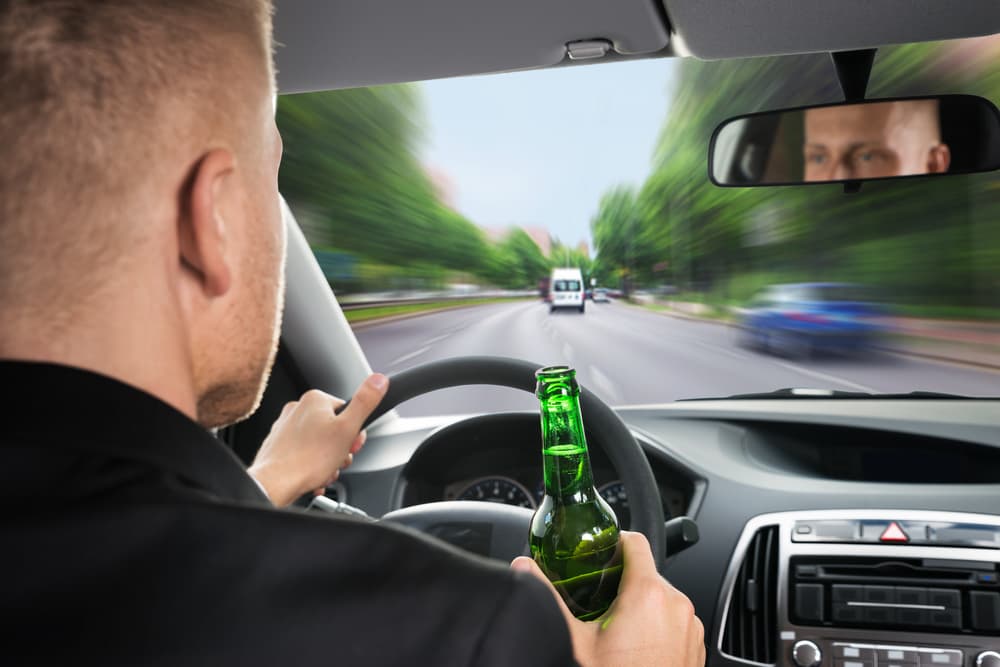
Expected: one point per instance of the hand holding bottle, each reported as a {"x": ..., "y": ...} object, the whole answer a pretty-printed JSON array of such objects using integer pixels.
[
  {"x": 649, "y": 623},
  {"x": 574, "y": 533}
]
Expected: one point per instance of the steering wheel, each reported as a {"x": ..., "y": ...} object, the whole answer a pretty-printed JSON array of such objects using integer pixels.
[{"x": 509, "y": 525}]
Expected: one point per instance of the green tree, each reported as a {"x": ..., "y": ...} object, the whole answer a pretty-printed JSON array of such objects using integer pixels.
[
  {"x": 350, "y": 171},
  {"x": 517, "y": 262}
]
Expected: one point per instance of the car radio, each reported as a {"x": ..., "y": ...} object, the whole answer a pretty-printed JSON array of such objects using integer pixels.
[
  {"x": 888, "y": 593},
  {"x": 864, "y": 588}
]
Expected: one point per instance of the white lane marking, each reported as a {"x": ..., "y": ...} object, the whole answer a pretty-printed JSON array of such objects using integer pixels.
[
  {"x": 726, "y": 351},
  {"x": 826, "y": 377},
  {"x": 408, "y": 356},
  {"x": 567, "y": 351},
  {"x": 436, "y": 339},
  {"x": 608, "y": 388}
]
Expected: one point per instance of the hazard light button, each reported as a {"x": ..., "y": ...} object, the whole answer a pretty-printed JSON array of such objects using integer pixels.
[{"x": 894, "y": 534}]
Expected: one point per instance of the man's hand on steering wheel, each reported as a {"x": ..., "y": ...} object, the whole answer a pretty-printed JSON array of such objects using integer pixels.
[{"x": 310, "y": 444}]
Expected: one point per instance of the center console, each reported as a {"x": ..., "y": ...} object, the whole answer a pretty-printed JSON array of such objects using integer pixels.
[{"x": 864, "y": 588}]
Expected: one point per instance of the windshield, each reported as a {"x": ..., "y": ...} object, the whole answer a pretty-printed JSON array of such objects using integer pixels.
[{"x": 440, "y": 211}]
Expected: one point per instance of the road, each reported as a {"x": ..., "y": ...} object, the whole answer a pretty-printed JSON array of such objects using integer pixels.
[{"x": 627, "y": 355}]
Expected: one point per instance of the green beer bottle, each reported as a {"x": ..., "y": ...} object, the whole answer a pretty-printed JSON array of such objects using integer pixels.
[{"x": 574, "y": 533}]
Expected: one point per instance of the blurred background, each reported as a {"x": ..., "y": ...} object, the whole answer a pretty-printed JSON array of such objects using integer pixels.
[{"x": 437, "y": 212}]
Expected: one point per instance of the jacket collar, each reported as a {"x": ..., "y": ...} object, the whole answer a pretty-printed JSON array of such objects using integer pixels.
[{"x": 55, "y": 407}]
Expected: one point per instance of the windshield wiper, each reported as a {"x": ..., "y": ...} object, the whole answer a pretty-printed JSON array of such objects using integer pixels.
[{"x": 808, "y": 393}]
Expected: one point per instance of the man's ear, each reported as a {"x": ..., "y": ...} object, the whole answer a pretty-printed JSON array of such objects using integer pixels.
[
  {"x": 938, "y": 159},
  {"x": 202, "y": 224}
]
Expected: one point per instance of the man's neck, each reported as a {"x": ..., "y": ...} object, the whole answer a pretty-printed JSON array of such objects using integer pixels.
[{"x": 135, "y": 341}]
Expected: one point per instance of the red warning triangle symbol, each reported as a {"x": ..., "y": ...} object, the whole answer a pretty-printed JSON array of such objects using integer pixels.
[{"x": 894, "y": 534}]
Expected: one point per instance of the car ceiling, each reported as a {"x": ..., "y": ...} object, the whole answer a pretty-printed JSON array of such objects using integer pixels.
[{"x": 329, "y": 44}]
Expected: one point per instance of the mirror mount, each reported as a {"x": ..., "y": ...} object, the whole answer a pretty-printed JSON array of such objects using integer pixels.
[{"x": 853, "y": 71}]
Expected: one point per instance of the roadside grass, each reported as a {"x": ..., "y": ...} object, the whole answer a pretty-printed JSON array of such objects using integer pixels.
[{"x": 375, "y": 312}]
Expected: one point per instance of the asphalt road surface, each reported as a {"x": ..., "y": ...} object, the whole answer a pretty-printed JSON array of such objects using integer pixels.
[{"x": 628, "y": 356}]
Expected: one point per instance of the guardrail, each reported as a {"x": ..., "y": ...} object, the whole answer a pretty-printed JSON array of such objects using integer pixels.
[{"x": 444, "y": 298}]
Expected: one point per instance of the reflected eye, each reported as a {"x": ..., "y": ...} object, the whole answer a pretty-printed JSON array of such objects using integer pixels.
[
  {"x": 816, "y": 158},
  {"x": 869, "y": 157}
]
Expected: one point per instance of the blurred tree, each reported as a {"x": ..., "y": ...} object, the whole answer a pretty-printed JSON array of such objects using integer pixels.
[
  {"x": 565, "y": 256},
  {"x": 517, "y": 262},
  {"x": 350, "y": 164},
  {"x": 724, "y": 240}
]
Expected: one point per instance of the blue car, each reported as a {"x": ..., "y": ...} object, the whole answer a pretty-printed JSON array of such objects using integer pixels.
[{"x": 803, "y": 319}]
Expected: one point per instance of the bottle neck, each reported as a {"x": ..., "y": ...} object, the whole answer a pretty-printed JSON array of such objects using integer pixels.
[{"x": 565, "y": 460}]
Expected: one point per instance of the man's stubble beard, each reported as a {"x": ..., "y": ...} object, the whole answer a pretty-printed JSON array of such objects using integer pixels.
[{"x": 234, "y": 398}]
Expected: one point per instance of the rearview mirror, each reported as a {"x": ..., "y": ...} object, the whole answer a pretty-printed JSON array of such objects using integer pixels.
[{"x": 857, "y": 141}]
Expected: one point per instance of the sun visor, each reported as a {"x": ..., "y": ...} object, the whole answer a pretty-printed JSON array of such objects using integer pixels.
[
  {"x": 716, "y": 29},
  {"x": 351, "y": 43}
]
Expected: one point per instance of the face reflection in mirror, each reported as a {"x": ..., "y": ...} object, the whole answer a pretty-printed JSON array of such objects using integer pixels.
[{"x": 874, "y": 141}]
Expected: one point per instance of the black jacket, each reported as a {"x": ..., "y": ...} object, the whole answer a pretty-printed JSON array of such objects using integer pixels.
[{"x": 130, "y": 535}]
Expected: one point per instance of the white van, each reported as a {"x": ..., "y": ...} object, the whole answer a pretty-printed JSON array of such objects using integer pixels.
[{"x": 566, "y": 290}]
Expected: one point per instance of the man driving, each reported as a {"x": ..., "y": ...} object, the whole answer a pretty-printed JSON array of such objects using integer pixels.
[
  {"x": 858, "y": 141},
  {"x": 141, "y": 281}
]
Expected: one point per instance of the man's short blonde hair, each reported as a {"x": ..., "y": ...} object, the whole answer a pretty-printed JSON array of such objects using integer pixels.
[{"x": 94, "y": 92}]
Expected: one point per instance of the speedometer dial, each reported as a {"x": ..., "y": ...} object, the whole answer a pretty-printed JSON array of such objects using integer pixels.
[
  {"x": 614, "y": 494},
  {"x": 498, "y": 490}
]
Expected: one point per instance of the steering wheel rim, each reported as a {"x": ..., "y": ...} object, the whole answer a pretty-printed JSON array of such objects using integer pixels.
[{"x": 607, "y": 427}]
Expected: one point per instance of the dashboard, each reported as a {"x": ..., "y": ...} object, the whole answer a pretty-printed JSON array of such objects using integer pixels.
[
  {"x": 508, "y": 490},
  {"x": 497, "y": 458}
]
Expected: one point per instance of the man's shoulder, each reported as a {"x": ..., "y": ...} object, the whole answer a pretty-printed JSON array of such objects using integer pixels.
[{"x": 249, "y": 583}]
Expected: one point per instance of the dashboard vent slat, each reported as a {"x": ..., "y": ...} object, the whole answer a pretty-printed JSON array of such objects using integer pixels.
[
  {"x": 769, "y": 612},
  {"x": 751, "y": 626}
]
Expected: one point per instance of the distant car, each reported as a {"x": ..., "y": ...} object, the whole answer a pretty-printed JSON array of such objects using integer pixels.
[
  {"x": 601, "y": 295},
  {"x": 803, "y": 319},
  {"x": 566, "y": 290}
]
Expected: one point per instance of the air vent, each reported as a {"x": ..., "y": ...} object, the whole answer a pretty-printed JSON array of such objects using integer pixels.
[{"x": 752, "y": 617}]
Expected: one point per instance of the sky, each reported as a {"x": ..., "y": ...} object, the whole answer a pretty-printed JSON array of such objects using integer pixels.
[{"x": 539, "y": 148}]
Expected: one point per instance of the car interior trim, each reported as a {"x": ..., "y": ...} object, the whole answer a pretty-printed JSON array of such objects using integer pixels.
[
  {"x": 352, "y": 44},
  {"x": 787, "y": 631}
]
